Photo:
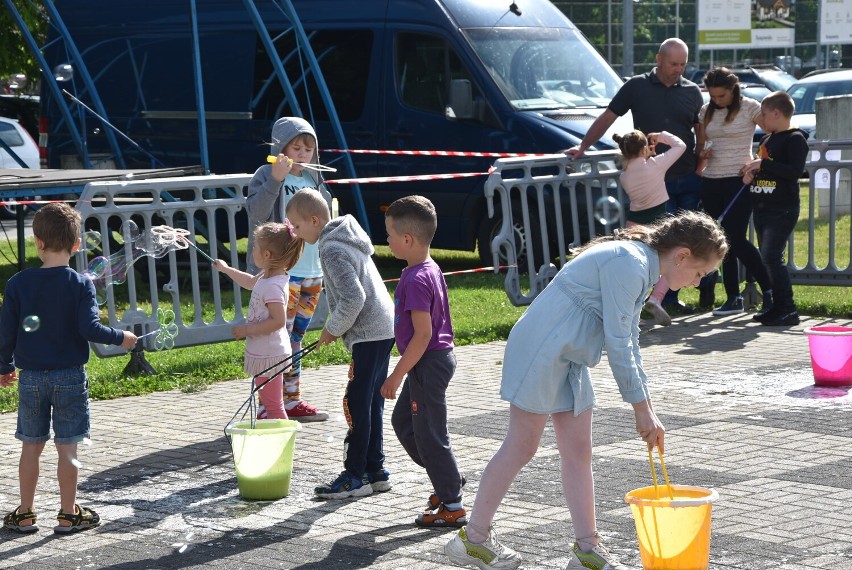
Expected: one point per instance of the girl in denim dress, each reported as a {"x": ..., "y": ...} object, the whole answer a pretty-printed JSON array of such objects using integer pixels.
[{"x": 592, "y": 304}]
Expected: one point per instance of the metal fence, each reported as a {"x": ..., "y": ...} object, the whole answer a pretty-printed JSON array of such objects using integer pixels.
[
  {"x": 203, "y": 205},
  {"x": 552, "y": 204}
]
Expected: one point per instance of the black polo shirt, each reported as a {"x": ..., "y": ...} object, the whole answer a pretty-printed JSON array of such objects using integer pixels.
[{"x": 658, "y": 108}]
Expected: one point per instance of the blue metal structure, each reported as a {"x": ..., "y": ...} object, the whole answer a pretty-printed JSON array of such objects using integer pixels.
[{"x": 73, "y": 113}]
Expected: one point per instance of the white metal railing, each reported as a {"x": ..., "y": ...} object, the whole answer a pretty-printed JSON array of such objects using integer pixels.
[{"x": 551, "y": 204}]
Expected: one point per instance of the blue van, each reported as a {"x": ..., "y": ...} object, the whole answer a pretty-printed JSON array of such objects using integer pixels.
[{"x": 459, "y": 75}]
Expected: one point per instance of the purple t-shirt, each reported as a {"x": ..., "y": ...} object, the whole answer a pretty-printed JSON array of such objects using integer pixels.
[{"x": 422, "y": 288}]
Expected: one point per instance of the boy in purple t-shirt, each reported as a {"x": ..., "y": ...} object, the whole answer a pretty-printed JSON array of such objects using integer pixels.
[{"x": 424, "y": 337}]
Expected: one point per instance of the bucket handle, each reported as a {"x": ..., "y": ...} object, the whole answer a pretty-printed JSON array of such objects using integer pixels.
[
  {"x": 288, "y": 362},
  {"x": 654, "y": 472}
]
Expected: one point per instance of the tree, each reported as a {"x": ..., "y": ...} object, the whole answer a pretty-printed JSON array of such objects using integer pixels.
[{"x": 15, "y": 55}]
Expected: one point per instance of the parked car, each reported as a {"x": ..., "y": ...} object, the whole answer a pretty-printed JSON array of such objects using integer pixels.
[
  {"x": 821, "y": 83},
  {"x": 24, "y": 108},
  {"x": 22, "y": 144},
  {"x": 772, "y": 77}
]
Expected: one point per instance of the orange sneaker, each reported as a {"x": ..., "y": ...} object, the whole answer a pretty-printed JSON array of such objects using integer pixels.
[{"x": 442, "y": 517}]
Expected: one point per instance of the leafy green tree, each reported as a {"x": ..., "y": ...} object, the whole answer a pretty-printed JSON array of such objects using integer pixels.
[{"x": 15, "y": 56}]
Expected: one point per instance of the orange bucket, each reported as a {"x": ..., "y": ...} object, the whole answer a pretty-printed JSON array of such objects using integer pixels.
[
  {"x": 673, "y": 527},
  {"x": 674, "y": 533}
]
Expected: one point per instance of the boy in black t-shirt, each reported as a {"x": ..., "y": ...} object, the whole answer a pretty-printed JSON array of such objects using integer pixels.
[{"x": 774, "y": 178}]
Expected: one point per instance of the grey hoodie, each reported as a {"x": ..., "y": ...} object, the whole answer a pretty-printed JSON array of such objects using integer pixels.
[
  {"x": 263, "y": 203},
  {"x": 360, "y": 307}
]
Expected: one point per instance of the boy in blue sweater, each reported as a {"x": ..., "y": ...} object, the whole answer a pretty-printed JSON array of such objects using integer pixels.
[{"x": 48, "y": 318}]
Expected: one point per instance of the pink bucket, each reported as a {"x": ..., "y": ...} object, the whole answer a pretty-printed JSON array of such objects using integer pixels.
[{"x": 831, "y": 355}]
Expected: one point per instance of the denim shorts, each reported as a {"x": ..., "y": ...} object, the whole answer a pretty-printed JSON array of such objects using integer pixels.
[{"x": 61, "y": 395}]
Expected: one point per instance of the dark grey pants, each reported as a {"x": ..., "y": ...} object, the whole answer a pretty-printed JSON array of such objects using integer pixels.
[{"x": 420, "y": 422}]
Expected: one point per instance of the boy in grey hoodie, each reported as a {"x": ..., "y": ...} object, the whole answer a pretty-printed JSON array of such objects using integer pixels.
[
  {"x": 294, "y": 143},
  {"x": 361, "y": 313}
]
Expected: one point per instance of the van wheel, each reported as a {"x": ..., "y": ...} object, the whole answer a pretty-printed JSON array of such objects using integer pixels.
[{"x": 490, "y": 227}]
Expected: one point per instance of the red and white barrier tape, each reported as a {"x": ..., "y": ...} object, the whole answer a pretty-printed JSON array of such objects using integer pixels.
[
  {"x": 432, "y": 152},
  {"x": 378, "y": 179},
  {"x": 477, "y": 270}
]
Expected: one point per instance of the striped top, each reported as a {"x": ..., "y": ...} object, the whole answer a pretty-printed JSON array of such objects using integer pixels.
[{"x": 731, "y": 141}]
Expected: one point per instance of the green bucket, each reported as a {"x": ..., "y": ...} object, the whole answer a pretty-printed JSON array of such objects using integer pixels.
[{"x": 263, "y": 457}]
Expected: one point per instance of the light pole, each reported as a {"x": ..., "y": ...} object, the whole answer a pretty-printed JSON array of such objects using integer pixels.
[{"x": 627, "y": 64}]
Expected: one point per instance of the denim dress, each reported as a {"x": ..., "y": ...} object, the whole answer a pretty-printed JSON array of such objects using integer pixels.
[{"x": 592, "y": 304}]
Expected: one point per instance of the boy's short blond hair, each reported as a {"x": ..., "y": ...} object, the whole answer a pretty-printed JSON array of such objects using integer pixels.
[
  {"x": 414, "y": 215},
  {"x": 779, "y": 101},
  {"x": 308, "y": 202},
  {"x": 58, "y": 226}
]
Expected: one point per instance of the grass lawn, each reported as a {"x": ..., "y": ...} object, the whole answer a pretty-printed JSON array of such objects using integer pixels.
[{"x": 480, "y": 309}]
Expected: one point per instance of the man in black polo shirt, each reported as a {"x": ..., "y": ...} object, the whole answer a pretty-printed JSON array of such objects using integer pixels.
[{"x": 662, "y": 100}]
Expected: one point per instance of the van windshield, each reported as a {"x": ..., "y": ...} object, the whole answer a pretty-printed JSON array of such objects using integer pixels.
[{"x": 545, "y": 68}]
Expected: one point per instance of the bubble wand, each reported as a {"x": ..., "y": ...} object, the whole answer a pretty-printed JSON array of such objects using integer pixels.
[
  {"x": 272, "y": 159},
  {"x": 167, "y": 235},
  {"x": 167, "y": 331}
]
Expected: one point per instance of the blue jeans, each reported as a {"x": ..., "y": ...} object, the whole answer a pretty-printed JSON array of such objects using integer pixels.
[
  {"x": 60, "y": 395},
  {"x": 684, "y": 193},
  {"x": 773, "y": 227},
  {"x": 364, "y": 406}
]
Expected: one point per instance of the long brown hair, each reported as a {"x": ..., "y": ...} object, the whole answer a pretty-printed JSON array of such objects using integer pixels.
[
  {"x": 723, "y": 77},
  {"x": 693, "y": 230}
]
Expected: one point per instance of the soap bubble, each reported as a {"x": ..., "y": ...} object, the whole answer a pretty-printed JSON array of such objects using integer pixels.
[
  {"x": 330, "y": 438},
  {"x": 91, "y": 240},
  {"x": 31, "y": 323},
  {"x": 607, "y": 211},
  {"x": 63, "y": 72},
  {"x": 76, "y": 463},
  {"x": 87, "y": 441}
]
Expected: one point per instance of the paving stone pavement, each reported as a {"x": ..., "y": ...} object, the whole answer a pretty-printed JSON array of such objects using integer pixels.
[{"x": 738, "y": 401}]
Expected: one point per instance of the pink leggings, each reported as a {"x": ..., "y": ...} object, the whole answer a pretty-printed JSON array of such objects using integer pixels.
[
  {"x": 272, "y": 397},
  {"x": 662, "y": 286}
]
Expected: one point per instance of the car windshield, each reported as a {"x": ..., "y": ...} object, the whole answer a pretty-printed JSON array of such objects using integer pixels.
[
  {"x": 545, "y": 68},
  {"x": 805, "y": 94}
]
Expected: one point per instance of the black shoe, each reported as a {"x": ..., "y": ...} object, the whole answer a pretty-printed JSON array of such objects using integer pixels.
[
  {"x": 767, "y": 306},
  {"x": 788, "y": 319},
  {"x": 679, "y": 308}
]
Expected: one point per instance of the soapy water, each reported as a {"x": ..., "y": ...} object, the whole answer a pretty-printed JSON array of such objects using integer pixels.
[{"x": 156, "y": 242}]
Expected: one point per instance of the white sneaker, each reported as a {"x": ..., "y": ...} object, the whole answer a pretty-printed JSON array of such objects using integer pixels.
[
  {"x": 599, "y": 558},
  {"x": 661, "y": 317},
  {"x": 488, "y": 555}
]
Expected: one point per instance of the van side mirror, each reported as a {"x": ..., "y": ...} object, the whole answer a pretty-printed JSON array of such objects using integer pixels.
[{"x": 461, "y": 100}]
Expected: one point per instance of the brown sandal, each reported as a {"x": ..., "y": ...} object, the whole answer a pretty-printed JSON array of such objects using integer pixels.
[
  {"x": 82, "y": 519},
  {"x": 13, "y": 521}
]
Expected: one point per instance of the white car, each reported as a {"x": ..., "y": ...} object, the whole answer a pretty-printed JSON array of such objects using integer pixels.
[
  {"x": 805, "y": 92},
  {"x": 23, "y": 145}
]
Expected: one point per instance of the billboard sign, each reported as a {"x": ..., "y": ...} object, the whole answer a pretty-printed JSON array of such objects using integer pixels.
[{"x": 735, "y": 24}]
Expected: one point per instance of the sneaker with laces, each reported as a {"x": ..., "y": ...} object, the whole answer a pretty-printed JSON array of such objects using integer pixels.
[
  {"x": 380, "y": 481},
  {"x": 599, "y": 558},
  {"x": 490, "y": 555},
  {"x": 661, "y": 317},
  {"x": 346, "y": 485},
  {"x": 732, "y": 306},
  {"x": 304, "y": 412},
  {"x": 442, "y": 517}
]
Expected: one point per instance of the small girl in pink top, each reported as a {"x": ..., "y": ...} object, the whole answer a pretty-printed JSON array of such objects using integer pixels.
[
  {"x": 643, "y": 178},
  {"x": 276, "y": 250}
]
